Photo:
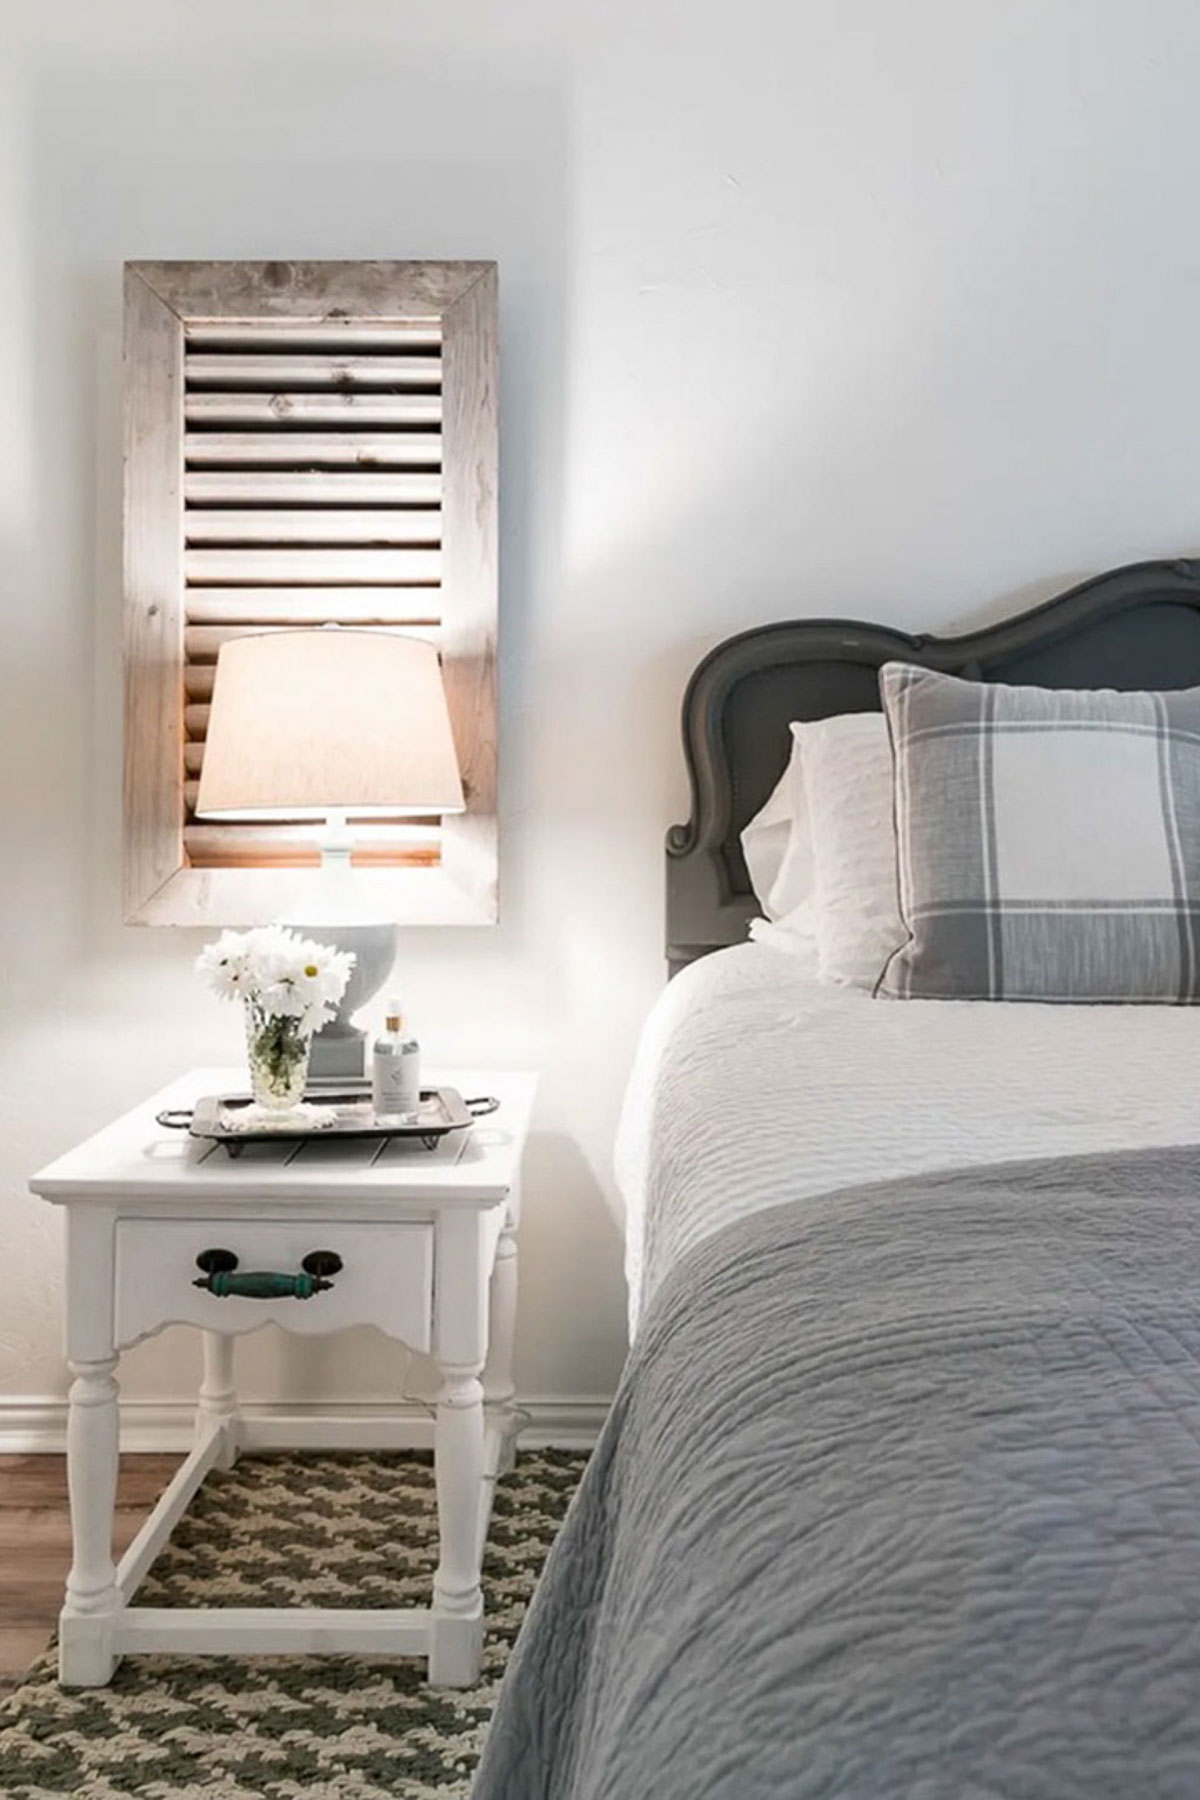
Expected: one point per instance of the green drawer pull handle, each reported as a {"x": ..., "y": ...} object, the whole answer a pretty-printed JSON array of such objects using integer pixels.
[{"x": 222, "y": 1280}]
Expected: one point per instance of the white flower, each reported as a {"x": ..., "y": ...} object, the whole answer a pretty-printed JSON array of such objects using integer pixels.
[
  {"x": 282, "y": 999},
  {"x": 281, "y": 973},
  {"x": 225, "y": 965}
]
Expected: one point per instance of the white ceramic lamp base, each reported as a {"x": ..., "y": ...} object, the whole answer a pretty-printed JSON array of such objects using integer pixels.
[{"x": 339, "y": 1049}]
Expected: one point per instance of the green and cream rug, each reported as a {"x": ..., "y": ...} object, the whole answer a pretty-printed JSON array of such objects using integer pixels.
[{"x": 333, "y": 1530}]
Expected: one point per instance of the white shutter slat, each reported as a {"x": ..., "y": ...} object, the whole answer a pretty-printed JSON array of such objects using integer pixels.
[
  {"x": 281, "y": 488},
  {"x": 202, "y": 646},
  {"x": 296, "y": 846},
  {"x": 308, "y": 409},
  {"x": 303, "y": 567},
  {"x": 312, "y": 450},
  {"x": 304, "y": 334},
  {"x": 324, "y": 449},
  {"x": 304, "y": 371},
  {"x": 346, "y": 525},
  {"x": 202, "y": 643},
  {"x": 313, "y": 606}
]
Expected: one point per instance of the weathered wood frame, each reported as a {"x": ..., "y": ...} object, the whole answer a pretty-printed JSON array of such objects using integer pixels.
[{"x": 161, "y": 300}]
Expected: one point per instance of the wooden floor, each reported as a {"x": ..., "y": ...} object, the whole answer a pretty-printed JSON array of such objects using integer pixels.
[{"x": 35, "y": 1544}]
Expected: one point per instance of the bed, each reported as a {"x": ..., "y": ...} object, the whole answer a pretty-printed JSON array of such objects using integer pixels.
[{"x": 899, "y": 1493}]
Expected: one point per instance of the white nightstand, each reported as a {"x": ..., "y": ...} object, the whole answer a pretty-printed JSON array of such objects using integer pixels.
[{"x": 427, "y": 1246}]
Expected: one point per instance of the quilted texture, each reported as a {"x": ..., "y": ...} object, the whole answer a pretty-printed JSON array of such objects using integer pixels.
[
  {"x": 899, "y": 1497},
  {"x": 756, "y": 1083}
]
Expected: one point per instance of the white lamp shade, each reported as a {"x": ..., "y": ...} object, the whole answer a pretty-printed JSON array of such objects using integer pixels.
[{"x": 308, "y": 723}]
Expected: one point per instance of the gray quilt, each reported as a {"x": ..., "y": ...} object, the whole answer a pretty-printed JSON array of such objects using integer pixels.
[{"x": 900, "y": 1496}]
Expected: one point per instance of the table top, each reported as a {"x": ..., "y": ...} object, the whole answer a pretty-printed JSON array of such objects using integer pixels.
[{"x": 136, "y": 1158}]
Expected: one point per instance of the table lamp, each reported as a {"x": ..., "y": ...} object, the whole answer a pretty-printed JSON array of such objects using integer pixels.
[{"x": 328, "y": 725}]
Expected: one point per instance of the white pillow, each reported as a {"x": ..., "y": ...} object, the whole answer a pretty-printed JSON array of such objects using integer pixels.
[
  {"x": 800, "y": 944},
  {"x": 846, "y": 765},
  {"x": 778, "y": 849}
]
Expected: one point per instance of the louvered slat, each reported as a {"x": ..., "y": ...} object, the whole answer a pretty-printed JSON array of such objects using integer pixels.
[
  {"x": 345, "y": 525},
  {"x": 312, "y": 409},
  {"x": 302, "y": 334},
  {"x": 359, "y": 488},
  {"x": 202, "y": 644},
  {"x": 316, "y": 449},
  {"x": 313, "y": 606},
  {"x": 387, "y": 835},
  {"x": 295, "y": 847},
  {"x": 305, "y": 371},
  {"x": 313, "y": 567},
  {"x": 381, "y": 829}
]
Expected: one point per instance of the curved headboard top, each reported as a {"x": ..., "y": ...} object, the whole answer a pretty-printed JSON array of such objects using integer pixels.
[{"x": 1135, "y": 627}]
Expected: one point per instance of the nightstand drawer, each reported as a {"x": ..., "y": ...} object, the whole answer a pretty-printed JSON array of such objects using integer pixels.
[{"x": 386, "y": 1277}]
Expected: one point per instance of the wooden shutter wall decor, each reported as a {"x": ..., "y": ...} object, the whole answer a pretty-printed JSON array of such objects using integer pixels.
[{"x": 306, "y": 443}]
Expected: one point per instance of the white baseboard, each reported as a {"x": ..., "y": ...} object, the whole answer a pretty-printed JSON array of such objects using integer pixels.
[{"x": 30, "y": 1424}]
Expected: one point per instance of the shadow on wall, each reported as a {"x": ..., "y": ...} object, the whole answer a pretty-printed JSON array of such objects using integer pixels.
[{"x": 572, "y": 1254}]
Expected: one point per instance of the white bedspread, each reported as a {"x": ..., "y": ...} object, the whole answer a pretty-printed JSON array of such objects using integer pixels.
[{"x": 754, "y": 1084}]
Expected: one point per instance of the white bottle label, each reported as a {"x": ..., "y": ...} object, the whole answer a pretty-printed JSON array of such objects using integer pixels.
[{"x": 396, "y": 1081}]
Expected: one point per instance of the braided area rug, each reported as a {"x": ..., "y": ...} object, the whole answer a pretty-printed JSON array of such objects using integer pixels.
[{"x": 329, "y": 1530}]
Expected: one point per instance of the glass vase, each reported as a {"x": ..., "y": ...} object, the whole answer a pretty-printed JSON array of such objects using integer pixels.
[{"x": 278, "y": 1049}]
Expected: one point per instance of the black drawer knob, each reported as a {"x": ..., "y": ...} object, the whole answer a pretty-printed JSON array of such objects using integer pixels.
[
  {"x": 217, "y": 1262},
  {"x": 322, "y": 1264}
]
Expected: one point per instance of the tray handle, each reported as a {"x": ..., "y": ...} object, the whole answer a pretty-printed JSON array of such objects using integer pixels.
[
  {"x": 482, "y": 1105},
  {"x": 174, "y": 1118}
]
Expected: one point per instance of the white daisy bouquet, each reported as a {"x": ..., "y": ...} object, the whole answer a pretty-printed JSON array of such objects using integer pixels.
[{"x": 290, "y": 987}]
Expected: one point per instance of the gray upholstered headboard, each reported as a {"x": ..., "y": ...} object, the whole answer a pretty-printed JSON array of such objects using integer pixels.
[{"x": 1136, "y": 627}]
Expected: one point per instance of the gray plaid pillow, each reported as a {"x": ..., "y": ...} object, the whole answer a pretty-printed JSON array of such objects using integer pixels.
[{"x": 1048, "y": 841}]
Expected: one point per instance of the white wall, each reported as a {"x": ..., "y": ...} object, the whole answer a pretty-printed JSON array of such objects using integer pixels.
[{"x": 808, "y": 306}]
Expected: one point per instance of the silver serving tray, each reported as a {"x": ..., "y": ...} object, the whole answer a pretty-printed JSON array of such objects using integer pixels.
[{"x": 442, "y": 1111}]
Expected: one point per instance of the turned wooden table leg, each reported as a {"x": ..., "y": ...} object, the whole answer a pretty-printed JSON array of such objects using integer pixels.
[
  {"x": 85, "y": 1656},
  {"x": 457, "y": 1596},
  {"x": 499, "y": 1389},
  {"x": 459, "y": 1348},
  {"x": 218, "y": 1402}
]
